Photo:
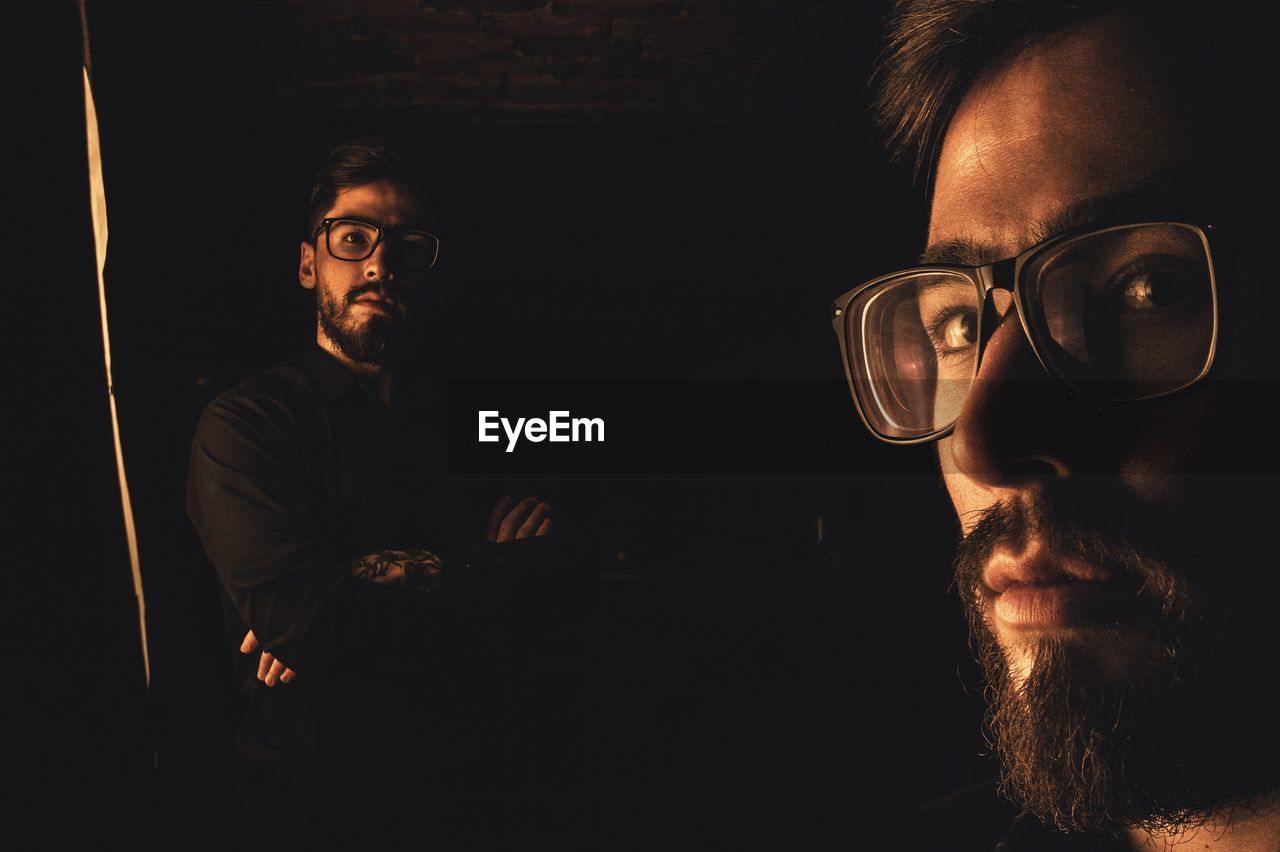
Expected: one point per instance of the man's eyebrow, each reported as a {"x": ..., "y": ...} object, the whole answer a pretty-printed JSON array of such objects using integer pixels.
[
  {"x": 413, "y": 225},
  {"x": 355, "y": 217},
  {"x": 1145, "y": 202},
  {"x": 961, "y": 251},
  {"x": 1154, "y": 200}
]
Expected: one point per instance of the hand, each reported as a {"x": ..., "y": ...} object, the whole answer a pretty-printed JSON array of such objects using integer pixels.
[
  {"x": 511, "y": 520},
  {"x": 270, "y": 670}
]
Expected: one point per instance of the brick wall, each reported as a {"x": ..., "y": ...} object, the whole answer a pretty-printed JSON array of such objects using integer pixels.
[{"x": 577, "y": 61}]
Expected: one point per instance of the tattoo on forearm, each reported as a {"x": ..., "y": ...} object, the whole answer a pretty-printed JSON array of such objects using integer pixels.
[{"x": 419, "y": 570}]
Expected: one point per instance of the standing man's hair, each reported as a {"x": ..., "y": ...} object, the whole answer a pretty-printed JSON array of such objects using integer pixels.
[{"x": 355, "y": 163}]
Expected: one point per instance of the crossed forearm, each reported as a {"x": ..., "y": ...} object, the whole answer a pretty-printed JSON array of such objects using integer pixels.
[{"x": 419, "y": 570}]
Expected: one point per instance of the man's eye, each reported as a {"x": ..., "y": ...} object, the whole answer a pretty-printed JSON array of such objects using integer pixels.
[
  {"x": 954, "y": 331},
  {"x": 354, "y": 238},
  {"x": 1153, "y": 290}
]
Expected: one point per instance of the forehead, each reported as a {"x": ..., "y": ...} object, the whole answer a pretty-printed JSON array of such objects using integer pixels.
[
  {"x": 384, "y": 202},
  {"x": 1083, "y": 116}
]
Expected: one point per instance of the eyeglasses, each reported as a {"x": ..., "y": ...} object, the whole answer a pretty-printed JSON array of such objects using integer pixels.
[
  {"x": 353, "y": 239},
  {"x": 1119, "y": 313}
]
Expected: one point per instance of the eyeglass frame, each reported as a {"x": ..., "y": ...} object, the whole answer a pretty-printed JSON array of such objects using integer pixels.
[
  {"x": 990, "y": 276},
  {"x": 327, "y": 222}
]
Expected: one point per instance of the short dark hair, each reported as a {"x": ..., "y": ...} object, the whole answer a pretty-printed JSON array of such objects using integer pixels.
[
  {"x": 355, "y": 163},
  {"x": 937, "y": 50}
]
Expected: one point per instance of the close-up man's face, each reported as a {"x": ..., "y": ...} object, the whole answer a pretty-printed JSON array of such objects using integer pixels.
[
  {"x": 363, "y": 305},
  {"x": 1108, "y": 574}
]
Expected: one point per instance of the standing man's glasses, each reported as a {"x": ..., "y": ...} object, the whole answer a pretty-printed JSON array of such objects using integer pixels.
[
  {"x": 1119, "y": 313},
  {"x": 353, "y": 239}
]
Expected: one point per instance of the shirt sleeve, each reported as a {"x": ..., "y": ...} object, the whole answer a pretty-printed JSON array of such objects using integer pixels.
[{"x": 255, "y": 505}]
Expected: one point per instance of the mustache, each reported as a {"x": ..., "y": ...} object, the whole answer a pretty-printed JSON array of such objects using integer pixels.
[
  {"x": 1083, "y": 527},
  {"x": 378, "y": 288}
]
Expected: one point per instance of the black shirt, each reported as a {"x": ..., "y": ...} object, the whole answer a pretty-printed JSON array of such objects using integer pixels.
[{"x": 295, "y": 473}]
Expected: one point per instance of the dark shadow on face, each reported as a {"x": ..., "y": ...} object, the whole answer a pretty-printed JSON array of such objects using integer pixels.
[{"x": 1148, "y": 710}]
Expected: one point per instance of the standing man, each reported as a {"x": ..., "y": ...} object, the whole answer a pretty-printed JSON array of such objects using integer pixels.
[
  {"x": 1086, "y": 340},
  {"x": 318, "y": 489}
]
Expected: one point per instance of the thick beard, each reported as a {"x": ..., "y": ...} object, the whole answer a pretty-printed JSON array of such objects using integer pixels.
[
  {"x": 1158, "y": 725},
  {"x": 378, "y": 342}
]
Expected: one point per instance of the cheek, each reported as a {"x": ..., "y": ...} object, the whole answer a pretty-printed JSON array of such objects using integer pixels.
[
  {"x": 967, "y": 496},
  {"x": 1174, "y": 447},
  {"x": 336, "y": 276}
]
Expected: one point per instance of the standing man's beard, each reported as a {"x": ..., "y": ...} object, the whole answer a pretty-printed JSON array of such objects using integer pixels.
[
  {"x": 379, "y": 342},
  {"x": 1159, "y": 721}
]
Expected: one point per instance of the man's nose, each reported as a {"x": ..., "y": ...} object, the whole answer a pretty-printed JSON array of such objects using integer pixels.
[
  {"x": 383, "y": 264},
  {"x": 1019, "y": 424}
]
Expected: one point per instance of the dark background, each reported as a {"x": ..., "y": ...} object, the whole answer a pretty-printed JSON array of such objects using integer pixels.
[{"x": 624, "y": 190}]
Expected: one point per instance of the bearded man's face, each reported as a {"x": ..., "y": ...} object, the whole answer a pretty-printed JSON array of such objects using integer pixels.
[
  {"x": 363, "y": 307},
  {"x": 1116, "y": 578}
]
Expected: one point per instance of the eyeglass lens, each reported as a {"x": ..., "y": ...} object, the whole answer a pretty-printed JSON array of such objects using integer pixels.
[
  {"x": 351, "y": 240},
  {"x": 1124, "y": 313}
]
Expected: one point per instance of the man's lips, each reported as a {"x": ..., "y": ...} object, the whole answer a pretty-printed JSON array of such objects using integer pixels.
[
  {"x": 1036, "y": 566},
  {"x": 379, "y": 303},
  {"x": 1038, "y": 590}
]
